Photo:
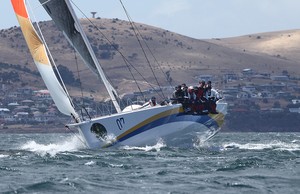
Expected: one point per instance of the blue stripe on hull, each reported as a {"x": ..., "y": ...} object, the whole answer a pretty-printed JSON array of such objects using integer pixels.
[{"x": 179, "y": 117}]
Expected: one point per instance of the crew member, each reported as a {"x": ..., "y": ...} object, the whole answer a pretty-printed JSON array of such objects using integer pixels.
[
  {"x": 184, "y": 90},
  {"x": 178, "y": 95},
  {"x": 192, "y": 97},
  {"x": 202, "y": 102},
  {"x": 152, "y": 101},
  {"x": 212, "y": 97}
]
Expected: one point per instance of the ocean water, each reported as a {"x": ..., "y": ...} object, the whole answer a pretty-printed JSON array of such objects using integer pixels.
[{"x": 228, "y": 163}]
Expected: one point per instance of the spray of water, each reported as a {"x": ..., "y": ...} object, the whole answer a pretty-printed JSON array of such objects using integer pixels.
[
  {"x": 160, "y": 144},
  {"x": 70, "y": 144},
  {"x": 90, "y": 163},
  {"x": 201, "y": 141},
  {"x": 275, "y": 145},
  {"x": 109, "y": 139},
  {"x": 3, "y": 156}
]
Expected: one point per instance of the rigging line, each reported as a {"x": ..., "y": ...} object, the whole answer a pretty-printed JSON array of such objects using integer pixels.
[
  {"x": 41, "y": 4},
  {"x": 139, "y": 41},
  {"x": 88, "y": 114},
  {"x": 124, "y": 58},
  {"x": 94, "y": 26},
  {"x": 110, "y": 44},
  {"x": 83, "y": 70},
  {"x": 153, "y": 57},
  {"x": 50, "y": 55},
  {"x": 80, "y": 85},
  {"x": 127, "y": 62},
  {"x": 129, "y": 69},
  {"x": 107, "y": 77},
  {"x": 76, "y": 134}
]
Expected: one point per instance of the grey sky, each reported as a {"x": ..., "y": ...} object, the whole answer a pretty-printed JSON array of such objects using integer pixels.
[{"x": 195, "y": 18}]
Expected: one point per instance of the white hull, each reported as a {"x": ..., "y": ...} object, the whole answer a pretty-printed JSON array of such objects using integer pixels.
[{"x": 147, "y": 126}]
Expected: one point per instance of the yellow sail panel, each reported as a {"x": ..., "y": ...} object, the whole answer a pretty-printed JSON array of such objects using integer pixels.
[{"x": 35, "y": 45}]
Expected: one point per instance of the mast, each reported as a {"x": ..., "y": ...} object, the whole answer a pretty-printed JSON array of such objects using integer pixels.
[{"x": 66, "y": 20}]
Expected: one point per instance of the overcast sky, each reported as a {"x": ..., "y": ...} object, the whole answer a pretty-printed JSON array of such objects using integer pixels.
[{"x": 195, "y": 18}]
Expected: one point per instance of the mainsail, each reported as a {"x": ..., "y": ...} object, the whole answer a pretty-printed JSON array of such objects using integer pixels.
[
  {"x": 65, "y": 19},
  {"x": 39, "y": 54}
]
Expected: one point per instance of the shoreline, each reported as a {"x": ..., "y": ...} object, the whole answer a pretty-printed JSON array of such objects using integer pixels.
[
  {"x": 35, "y": 129},
  {"x": 234, "y": 122}
]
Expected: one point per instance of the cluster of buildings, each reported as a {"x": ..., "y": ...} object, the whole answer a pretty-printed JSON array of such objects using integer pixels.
[
  {"x": 244, "y": 92},
  {"x": 25, "y": 105},
  {"x": 255, "y": 91},
  {"x": 249, "y": 91}
]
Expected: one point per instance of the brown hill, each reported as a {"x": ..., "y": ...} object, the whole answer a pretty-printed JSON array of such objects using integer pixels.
[
  {"x": 282, "y": 44},
  {"x": 184, "y": 57}
]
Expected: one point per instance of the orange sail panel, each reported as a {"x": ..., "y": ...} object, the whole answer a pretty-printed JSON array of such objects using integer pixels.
[{"x": 19, "y": 8}]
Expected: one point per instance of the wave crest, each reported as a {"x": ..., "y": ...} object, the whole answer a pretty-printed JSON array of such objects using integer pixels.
[
  {"x": 72, "y": 143},
  {"x": 160, "y": 144},
  {"x": 275, "y": 145}
]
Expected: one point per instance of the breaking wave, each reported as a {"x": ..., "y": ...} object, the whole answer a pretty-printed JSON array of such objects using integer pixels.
[
  {"x": 3, "y": 156},
  {"x": 275, "y": 145},
  {"x": 160, "y": 144},
  {"x": 72, "y": 143}
]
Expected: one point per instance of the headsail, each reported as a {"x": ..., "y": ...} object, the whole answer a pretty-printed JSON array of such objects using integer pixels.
[
  {"x": 65, "y": 19},
  {"x": 39, "y": 54}
]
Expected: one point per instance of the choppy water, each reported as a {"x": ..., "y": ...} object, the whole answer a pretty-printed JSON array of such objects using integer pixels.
[{"x": 228, "y": 163}]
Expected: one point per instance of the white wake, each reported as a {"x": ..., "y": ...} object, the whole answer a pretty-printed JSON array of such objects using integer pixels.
[{"x": 160, "y": 144}]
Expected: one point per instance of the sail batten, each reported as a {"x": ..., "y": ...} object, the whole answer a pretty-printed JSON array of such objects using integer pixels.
[
  {"x": 40, "y": 58},
  {"x": 66, "y": 20}
]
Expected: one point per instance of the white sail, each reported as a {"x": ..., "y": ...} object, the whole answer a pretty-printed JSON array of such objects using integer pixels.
[
  {"x": 39, "y": 54},
  {"x": 66, "y": 20}
]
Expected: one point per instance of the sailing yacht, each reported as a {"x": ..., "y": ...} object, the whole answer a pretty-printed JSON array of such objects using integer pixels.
[{"x": 135, "y": 125}]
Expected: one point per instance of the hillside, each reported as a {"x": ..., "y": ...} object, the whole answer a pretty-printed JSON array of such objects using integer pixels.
[
  {"x": 282, "y": 44},
  {"x": 183, "y": 56}
]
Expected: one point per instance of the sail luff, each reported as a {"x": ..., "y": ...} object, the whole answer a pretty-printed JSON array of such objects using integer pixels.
[
  {"x": 39, "y": 55},
  {"x": 66, "y": 20},
  {"x": 111, "y": 91}
]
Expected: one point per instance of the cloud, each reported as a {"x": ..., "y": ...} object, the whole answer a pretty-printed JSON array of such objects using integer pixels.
[{"x": 170, "y": 7}]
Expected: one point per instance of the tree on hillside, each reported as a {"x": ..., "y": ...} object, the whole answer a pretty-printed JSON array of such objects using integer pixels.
[
  {"x": 276, "y": 104},
  {"x": 67, "y": 76},
  {"x": 11, "y": 76}
]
